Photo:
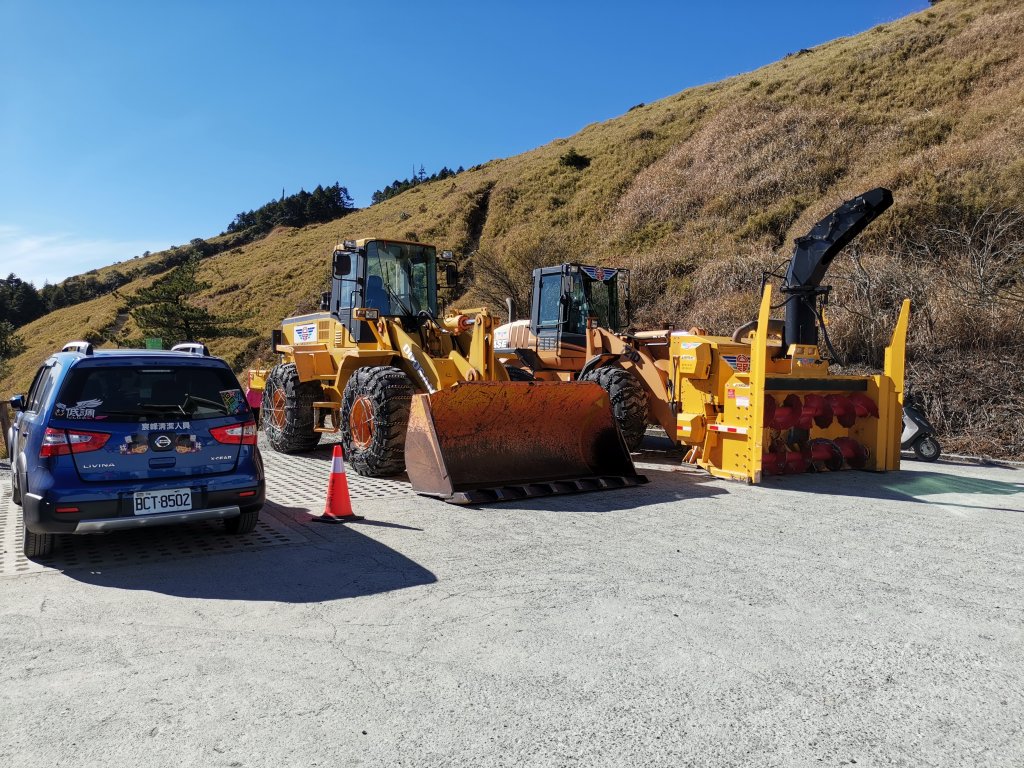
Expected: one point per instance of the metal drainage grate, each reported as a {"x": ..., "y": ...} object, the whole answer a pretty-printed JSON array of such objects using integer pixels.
[
  {"x": 151, "y": 545},
  {"x": 302, "y": 479}
]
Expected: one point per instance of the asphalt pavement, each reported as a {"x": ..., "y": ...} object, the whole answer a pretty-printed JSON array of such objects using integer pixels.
[{"x": 836, "y": 619}]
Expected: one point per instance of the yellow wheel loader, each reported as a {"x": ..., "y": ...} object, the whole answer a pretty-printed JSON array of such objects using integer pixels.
[
  {"x": 578, "y": 331},
  {"x": 761, "y": 401},
  {"x": 411, "y": 390}
]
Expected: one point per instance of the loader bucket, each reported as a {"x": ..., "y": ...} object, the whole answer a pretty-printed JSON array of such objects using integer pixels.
[{"x": 478, "y": 442}]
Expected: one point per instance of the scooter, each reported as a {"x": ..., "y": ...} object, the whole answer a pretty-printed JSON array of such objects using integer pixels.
[{"x": 918, "y": 435}]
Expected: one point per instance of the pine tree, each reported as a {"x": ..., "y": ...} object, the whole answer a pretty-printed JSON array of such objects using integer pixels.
[
  {"x": 20, "y": 302},
  {"x": 164, "y": 310}
]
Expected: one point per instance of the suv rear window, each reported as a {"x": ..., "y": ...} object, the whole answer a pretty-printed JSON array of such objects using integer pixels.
[{"x": 141, "y": 393}]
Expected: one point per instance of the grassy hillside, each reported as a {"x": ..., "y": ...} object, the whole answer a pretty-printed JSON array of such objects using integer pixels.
[{"x": 701, "y": 191}]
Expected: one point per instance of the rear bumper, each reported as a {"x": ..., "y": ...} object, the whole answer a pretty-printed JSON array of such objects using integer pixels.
[
  {"x": 149, "y": 521},
  {"x": 99, "y": 515}
]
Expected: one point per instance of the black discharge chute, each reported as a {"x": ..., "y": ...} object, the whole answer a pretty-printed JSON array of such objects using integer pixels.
[{"x": 814, "y": 252}]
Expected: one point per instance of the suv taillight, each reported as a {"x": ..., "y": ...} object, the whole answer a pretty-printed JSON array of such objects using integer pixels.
[
  {"x": 60, "y": 442},
  {"x": 236, "y": 434}
]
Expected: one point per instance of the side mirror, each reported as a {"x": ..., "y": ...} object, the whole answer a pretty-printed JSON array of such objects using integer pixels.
[
  {"x": 342, "y": 263},
  {"x": 451, "y": 275},
  {"x": 18, "y": 402}
]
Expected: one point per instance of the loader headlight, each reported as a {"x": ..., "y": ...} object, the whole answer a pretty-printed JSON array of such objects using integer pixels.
[{"x": 366, "y": 313}]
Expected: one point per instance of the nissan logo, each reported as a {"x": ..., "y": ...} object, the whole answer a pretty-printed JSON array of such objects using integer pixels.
[{"x": 162, "y": 442}]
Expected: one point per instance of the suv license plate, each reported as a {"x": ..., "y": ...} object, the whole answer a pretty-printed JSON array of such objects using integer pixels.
[{"x": 155, "y": 502}]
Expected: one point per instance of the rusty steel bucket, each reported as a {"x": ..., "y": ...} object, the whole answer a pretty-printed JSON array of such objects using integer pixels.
[{"x": 479, "y": 442}]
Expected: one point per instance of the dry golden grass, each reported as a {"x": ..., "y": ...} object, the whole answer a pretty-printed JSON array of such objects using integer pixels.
[{"x": 701, "y": 191}]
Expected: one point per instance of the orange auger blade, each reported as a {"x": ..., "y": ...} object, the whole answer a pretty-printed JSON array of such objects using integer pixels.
[{"x": 487, "y": 441}]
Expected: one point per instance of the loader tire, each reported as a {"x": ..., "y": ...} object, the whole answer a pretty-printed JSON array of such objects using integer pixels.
[
  {"x": 629, "y": 401},
  {"x": 374, "y": 418},
  {"x": 287, "y": 410},
  {"x": 518, "y": 374}
]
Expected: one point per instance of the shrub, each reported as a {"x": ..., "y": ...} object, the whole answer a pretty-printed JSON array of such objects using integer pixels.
[{"x": 573, "y": 159}]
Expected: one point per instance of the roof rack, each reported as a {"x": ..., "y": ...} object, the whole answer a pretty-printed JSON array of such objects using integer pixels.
[
  {"x": 191, "y": 348},
  {"x": 83, "y": 347}
]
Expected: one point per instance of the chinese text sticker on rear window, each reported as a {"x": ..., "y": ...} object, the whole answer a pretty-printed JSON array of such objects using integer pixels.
[
  {"x": 234, "y": 401},
  {"x": 83, "y": 409}
]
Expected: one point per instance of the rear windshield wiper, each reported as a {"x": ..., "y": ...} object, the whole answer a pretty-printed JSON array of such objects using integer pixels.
[
  {"x": 114, "y": 412},
  {"x": 162, "y": 408},
  {"x": 203, "y": 401},
  {"x": 146, "y": 409},
  {"x": 143, "y": 409}
]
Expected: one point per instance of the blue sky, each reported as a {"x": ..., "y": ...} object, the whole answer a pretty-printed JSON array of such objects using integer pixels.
[{"x": 133, "y": 126}]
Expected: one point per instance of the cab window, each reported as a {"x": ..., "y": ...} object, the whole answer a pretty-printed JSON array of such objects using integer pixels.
[
  {"x": 604, "y": 302},
  {"x": 578, "y": 306},
  {"x": 401, "y": 278},
  {"x": 550, "y": 304}
]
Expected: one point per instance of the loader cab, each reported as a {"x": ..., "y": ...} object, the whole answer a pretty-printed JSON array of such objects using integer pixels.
[
  {"x": 398, "y": 279},
  {"x": 564, "y": 297}
]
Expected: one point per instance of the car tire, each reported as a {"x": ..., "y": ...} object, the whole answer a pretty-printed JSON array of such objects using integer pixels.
[
  {"x": 927, "y": 449},
  {"x": 287, "y": 410},
  {"x": 244, "y": 523},
  {"x": 374, "y": 418},
  {"x": 37, "y": 544},
  {"x": 15, "y": 488},
  {"x": 629, "y": 401}
]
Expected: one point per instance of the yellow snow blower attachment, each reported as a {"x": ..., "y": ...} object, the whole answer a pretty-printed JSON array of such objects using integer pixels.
[
  {"x": 749, "y": 411},
  {"x": 496, "y": 441},
  {"x": 763, "y": 402}
]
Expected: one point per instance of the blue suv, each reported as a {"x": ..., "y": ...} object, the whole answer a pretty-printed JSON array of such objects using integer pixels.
[{"x": 108, "y": 439}]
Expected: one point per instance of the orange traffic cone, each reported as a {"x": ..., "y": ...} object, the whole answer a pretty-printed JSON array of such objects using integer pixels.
[{"x": 338, "y": 508}]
